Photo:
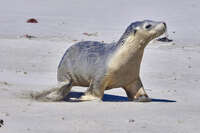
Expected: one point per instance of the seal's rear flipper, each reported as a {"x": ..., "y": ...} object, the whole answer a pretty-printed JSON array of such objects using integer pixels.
[{"x": 56, "y": 93}]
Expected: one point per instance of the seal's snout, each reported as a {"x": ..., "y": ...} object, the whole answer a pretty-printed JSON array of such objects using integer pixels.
[{"x": 165, "y": 25}]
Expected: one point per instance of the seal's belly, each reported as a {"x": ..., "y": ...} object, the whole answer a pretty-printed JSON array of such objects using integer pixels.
[{"x": 121, "y": 80}]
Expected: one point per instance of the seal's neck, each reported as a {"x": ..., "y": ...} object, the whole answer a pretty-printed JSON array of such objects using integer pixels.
[
  {"x": 132, "y": 43},
  {"x": 128, "y": 54}
]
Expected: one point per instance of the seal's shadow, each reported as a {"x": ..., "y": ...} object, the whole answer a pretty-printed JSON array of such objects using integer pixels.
[{"x": 109, "y": 98}]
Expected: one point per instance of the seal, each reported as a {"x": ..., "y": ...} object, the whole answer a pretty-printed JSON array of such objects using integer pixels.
[{"x": 100, "y": 66}]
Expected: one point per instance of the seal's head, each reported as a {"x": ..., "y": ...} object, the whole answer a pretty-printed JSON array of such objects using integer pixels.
[{"x": 144, "y": 31}]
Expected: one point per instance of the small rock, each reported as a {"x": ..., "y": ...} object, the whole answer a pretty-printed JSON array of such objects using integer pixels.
[
  {"x": 5, "y": 83},
  {"x": 29, "y": 36},
  {"x": 164, "y": 39},
  {"x": 180, "y": 121},
  {"x": 173, "y": 43},
  {"x": 1, "y": 122},
  {"x": 131, "y": 121},
  {"x": 90, "y": 34},
  {"x": 7, "y": 114}
]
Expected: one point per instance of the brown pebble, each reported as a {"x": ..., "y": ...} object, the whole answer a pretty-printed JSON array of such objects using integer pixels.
[
  {"x": 29, "y": 36},
  {"x": 90, "y": 34},
  {"x": 32, "y": 20}
]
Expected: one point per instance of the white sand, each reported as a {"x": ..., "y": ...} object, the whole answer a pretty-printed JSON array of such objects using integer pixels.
[{"x": 170, "y": 71}]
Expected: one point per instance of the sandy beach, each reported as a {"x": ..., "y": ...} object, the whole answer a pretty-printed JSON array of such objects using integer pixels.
[{"x": 170, "y": 70}]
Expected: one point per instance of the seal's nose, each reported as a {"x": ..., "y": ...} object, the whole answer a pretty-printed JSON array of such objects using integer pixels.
[{"x": 165, "y": 24}]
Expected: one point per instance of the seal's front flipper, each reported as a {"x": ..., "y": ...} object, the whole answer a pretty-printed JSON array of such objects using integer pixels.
[
  {"x": 142, "y": 98},
  {"x": 89, "y": 97},
  {"x": 136, "y": 92}
]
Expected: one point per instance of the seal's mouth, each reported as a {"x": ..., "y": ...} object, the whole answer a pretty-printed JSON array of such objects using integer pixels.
[{"x": 165, "y": 35}]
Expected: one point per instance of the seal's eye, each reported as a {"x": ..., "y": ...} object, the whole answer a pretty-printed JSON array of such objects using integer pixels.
[{"x": 148, "y": 26}]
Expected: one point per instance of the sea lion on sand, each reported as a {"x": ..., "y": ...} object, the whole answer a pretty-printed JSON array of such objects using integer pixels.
[{"x": 100, "y": 66}]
